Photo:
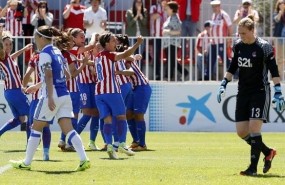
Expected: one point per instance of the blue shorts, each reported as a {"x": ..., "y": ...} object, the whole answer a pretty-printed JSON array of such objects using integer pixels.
[
  {"x": 75, "y": 98},
  {"x": 87, "y": 92},
  {"x": 33, "y": 107},
  {"x": 18, "y": 102},
  {"x": 110, "y": 104},
  {"x": 141, "y": 97},
  {"x": 126, "y": 91}
]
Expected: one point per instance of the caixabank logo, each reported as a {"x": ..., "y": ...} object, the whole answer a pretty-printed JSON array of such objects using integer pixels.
[{"x": 192, "y": 107}]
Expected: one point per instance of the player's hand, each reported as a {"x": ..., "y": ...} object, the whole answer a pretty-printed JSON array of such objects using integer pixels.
[
  {"x": 140, "y": 39},
  {"x": 51, "y": 104},
  {"x": 222, "y": 90},
  {"x": 138, "y": 57},
  {"x": 221, "y": 93},
  {"x": 31, "y": 89},
  {"x": 278, "y": 100}
]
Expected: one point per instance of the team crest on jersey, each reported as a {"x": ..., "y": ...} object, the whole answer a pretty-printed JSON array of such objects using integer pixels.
[{"x": 254, "y": 54}]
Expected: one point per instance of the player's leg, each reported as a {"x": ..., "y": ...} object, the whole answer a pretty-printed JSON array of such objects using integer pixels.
[
  {"x": 141, "y": 99},
  {"x": 65, "y": 114},
  {"x": 105, "y": 113}
]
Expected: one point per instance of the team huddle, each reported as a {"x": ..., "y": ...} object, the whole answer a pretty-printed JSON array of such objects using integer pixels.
[{"x": 102, "y": 79}]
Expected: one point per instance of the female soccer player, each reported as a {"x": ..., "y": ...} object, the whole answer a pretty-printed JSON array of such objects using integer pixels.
[
  {"x": 54, "y": 101},
  {"x": 72, "y": 85},
  {"x": 87, "y": 88},
  {"x": 108, "y": 94},
  {"x": 137, "y": 102},
  {"x": 33, "y": 68},
  {"x": 254, "y": 57},
  {"x": 13, "y": 86}
]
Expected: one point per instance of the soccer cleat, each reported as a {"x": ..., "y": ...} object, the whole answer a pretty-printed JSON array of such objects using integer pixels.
[
  {"x": 20, "y": 165},
  {"x": 45, "y": 157},
  {"x": 83, "y": 165},
  {"x": 140, "y": 148},
  {"x": 123, "y": 149},
  {"x": 268, "y": 160},
  {"x": 69, "y": 148},
  {"x": 111, "y": 152},
  {"x": 134, "y": 145},
  {"x": 104, "y": 148},
  {"x": 61, "y": 145},
  {"x": 248, "y": 172},
  {"x": 93, "y": 147}
]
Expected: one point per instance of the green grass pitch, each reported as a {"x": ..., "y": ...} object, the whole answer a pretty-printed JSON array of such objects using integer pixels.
[{"x": 173, "y": 158}]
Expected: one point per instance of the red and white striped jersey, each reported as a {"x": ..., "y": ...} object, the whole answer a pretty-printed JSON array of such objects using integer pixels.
[
  {"x": 72, "y": 85},
  {"x": 105, "y": 73},
  {"x": 34, "y": 64},
  {"x": 11, "y": 24},
  {"x": 86, "y": 74},
  {"x": 156, "y": 26},
  {"x": 122, "y": 79},
  {"x": 27, "y": 20},
  {"x": 138, "y": 78},
  {"x": 221, "y": 22},
  {"x": 11, "y": 72},
  {"x": 203, "y": 41}
]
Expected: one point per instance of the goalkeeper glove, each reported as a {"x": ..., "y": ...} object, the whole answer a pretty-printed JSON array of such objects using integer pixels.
[
  {"x": 222, "y": 90},
  {"x": 278, "y": 100}
]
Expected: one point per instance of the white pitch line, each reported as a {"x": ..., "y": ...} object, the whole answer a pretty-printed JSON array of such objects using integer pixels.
[{"x": 5, "y": 168}]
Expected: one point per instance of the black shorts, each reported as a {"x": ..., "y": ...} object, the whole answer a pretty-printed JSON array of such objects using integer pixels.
[{"x": 253, "y": 106}]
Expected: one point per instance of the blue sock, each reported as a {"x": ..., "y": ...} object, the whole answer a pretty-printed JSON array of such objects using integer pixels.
[
  {"x": 82, "y": 123},
  {"x": 108, "y": 133},
  {"x": 94, "y": 127},
  {"x": 122, "y": 130},
  {"x": 133, "y": 130},
  {"x": 28, "y": 130},
  {"x": 115, "y": 129},
  {"x": 101, "y": 129},
  {"x": 46, "y": 137},
  {"x": 62, "y": 136},
  {"x": 10, "y": 125},
  {"x": 141, "y": 132}
]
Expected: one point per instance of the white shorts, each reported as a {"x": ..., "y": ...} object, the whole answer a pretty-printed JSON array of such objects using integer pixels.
[{"x": 63, "y": 108}]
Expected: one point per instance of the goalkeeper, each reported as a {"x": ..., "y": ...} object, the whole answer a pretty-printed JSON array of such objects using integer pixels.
[{"x": 253, "y": 57}]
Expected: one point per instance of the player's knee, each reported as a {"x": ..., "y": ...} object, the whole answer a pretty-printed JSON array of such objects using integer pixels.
[
  {"x": 139, "y": 117},
  {"x": 121, "y": 117},
  {"x": 130, "y": 115},
  {"x": 242, "y": 133}
]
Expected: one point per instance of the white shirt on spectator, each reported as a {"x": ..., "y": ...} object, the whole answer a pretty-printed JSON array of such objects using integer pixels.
[{"x": 96, "y": 18}]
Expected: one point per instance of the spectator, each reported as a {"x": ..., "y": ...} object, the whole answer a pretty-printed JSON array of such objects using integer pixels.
[
  {"x": 158, "y": 16},
  {"x": 245, "y": 10},
  {"x": 172, "y": 30},
  {"x": 28, "y": 28},
  {"x": 202, "y": 46},
  {"x": 189, "y": 13},
  {"x": 73, "y": 15},
  {"x": 13, "y": 24},
  {"x": 42, "y": 16},
  {"x": 94, "y": 19},
  {"x": 222, "y": 27},
  {"x": 279, "y": 32},
  {"x": 136, "y": 19},
  {"x": 30, "y": 9}
]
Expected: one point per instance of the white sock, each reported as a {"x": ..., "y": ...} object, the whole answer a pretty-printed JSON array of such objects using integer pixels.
[
  {"x": 33, "y": 143},
  {"x": 77, "y": 144}
]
